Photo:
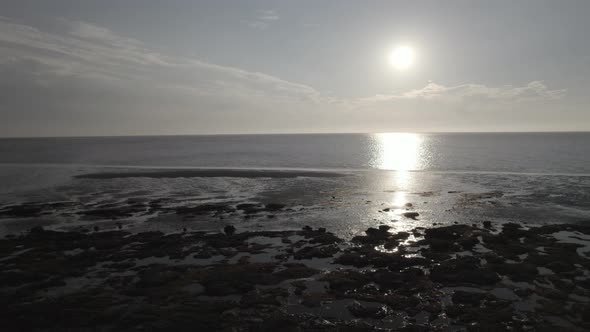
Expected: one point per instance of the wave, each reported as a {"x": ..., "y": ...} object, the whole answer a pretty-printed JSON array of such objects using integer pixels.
[{"x": 280, "y": 171}]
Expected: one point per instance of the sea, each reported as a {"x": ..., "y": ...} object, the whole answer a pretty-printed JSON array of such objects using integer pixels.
[{"x": 343, "y": 182}]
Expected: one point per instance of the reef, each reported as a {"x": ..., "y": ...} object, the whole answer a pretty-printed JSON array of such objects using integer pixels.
[{"x": 491, "y": 277}]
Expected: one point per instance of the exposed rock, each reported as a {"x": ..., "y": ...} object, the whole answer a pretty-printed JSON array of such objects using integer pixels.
[
  {"x": 516, "y": 272},
  {"x": 274, "y": 206},
  {"x": 361, "y": 311},
  {"x": 156, "y": 276},
  {"x": 316, "y": 299},
  {"x": 36, "y": 229},
  {"x": 377, "y": 233},
  {"x": 229, "y": 230},
  {"x": 464, "y": 270},
  {"x": 259, "y": 297},
  {"x": 411, "y": 215},
  {"x": 316, "y": 252},
  {"x": 244, "y": 281},
  {"x": 21, "y": 211},
  {"x": 300, "y": 286},
  {"x": 125, "y": 211},
  {"x": 471, "y": 298},
  {"x": 204, "y": 209}
]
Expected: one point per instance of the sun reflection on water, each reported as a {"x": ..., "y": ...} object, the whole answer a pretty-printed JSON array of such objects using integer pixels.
[
  {"x": 398, "y": 151},
  {"x": 399, "y": 199}
]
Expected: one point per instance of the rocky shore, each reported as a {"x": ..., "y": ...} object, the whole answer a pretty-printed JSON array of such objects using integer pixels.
[{"x": 455, "y": 278}]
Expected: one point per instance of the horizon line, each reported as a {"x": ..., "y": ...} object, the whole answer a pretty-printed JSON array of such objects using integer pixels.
[{"x": 306, "y": 133}]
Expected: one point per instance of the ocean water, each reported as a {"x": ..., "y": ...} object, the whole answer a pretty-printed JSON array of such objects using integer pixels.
[
  {"x": 526, "y": 177},
  {"x": 547, "y": 153}
]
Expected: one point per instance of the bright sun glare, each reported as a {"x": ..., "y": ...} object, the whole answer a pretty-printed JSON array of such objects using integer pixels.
[
  {"x": 402, "y": 57},
  {"x": 398, "y": 151}
]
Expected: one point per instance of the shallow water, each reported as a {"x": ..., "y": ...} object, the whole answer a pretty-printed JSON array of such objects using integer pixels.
[{"x": 536, "y": 178}]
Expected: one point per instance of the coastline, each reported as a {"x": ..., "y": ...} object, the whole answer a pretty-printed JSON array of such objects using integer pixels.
[
  {"x": 345, "y": 202},
  {"x": 210, "y": 173},
  {"x": 125, "y": 249},
  {"x": 466, "y": 277}
]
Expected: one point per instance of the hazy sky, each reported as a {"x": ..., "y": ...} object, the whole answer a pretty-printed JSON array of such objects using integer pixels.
[{"x": 117, "y": 67}]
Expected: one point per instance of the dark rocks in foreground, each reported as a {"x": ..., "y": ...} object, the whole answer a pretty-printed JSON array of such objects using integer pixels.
[
  {"x": 229, "y": 230},
  {"x": 449, "y": 278}
]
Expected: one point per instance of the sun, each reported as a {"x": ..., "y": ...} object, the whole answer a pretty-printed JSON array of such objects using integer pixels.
[{"x": 402, "y": 57}]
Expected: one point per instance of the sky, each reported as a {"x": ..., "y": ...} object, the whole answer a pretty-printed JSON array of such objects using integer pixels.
[{"x": 177, "y": 67}]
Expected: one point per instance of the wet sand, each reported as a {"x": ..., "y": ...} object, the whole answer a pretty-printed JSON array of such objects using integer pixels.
[
  {"x": 346, "y": 205},
  {"x": 211, "y": 173},
  {"x": 481, "y": 277}
]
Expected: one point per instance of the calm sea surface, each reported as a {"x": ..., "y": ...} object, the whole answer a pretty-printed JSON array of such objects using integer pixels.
[
  {"x": 526, "y": 177},
  {"x": 548, "y": 153}
]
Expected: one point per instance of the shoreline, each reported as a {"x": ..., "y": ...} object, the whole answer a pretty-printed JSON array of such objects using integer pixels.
[
  {"x": 211, "y": 173},
  {"x": 458, "y": 277},
  {"x": 132, "y": 170}
]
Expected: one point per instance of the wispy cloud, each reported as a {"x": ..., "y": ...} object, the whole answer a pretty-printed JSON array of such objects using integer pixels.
[
  {"x": 91, "y": 80},
  {"x": 535, "y": 90},
  {"x": 268, "y": 15},
  {"x": 264, "y": 19},
  {"x": 94, "y": 69}
]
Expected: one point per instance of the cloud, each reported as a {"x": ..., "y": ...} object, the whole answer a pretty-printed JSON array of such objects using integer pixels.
[
  {"x": 264, "y": 19},
  {"x": 90, "y": 72},
  {"x": 93, "y": 32},
  {"x": 535, "y": 90},
  {"x": 268, "y": 15},
  {"x": 99, "y": 51},
  {"x": 89, "y": 80}
]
